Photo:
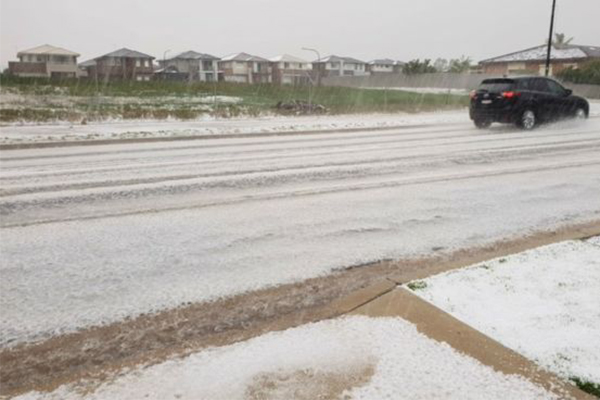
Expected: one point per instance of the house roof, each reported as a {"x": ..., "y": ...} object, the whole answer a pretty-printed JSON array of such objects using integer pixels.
[
  {"x": 88, "y": 63},
  {"x": 287, "y": 58},
  {"x": 194, "y": 55},
  {"x": 48, "y": 49},
  {"x": 538, "y": 53},
  {"x": 126, "y": 53},
  {"x": 243, "y": 57},
  {"x": 167, "y": 70},
  {"x": 385, "y": 61},
  {"x": 333, "y": 58}
]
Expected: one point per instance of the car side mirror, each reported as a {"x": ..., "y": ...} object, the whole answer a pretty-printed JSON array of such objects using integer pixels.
[{"x": 568, "y": 92}]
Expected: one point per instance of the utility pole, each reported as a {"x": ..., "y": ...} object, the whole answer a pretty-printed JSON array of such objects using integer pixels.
[{"x": 548, "y": 53}]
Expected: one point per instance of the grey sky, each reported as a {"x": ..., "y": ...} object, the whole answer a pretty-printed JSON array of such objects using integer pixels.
[{"x": 363, "y": 29}]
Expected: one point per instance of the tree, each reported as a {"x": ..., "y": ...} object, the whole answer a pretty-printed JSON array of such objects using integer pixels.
[
  {"x": 560, "y": 40},
  {"x": 441, "y": 65},
  {"x": 417, "y": 67},
  {"x": 460, "y": 65}
]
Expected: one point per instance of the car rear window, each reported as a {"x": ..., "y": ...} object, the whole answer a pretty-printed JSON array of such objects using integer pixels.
[{"x": 496, "y": 85}]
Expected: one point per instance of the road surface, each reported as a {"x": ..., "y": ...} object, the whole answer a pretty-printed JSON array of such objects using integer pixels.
[{"x": 96, "y": 234}]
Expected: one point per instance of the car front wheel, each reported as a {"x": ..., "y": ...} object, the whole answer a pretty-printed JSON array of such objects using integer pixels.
[{"x": 528, "y": 120}]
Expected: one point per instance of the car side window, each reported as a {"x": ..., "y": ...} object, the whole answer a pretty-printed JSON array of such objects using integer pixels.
[
  {"x": 555, "y": 88},
  {"x": 525, "y": 84},
  {"x": 539, "y": 85}
]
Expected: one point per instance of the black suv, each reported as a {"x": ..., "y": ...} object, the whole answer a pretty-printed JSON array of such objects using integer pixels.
[{"x": 525, "y": 101}]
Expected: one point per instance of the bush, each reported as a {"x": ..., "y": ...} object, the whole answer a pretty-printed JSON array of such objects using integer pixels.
[
  {"x": 417, "y": 67},
  {"x": 588, "y": 74}
]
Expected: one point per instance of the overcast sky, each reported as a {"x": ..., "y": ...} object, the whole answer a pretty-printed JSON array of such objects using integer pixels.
[{"x": 365, "y": 29}]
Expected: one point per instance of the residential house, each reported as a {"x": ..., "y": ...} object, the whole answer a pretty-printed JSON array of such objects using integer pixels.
[
  {"x": 533, "y": 60},
  {"x": 339, "y": 66},
  {"x": 384, "y": 66},
  {"x": 290, "y": 70},
  {"x": 123, "y": 64},
  {"x": 245, "y": 68},
  {"x": 45, "y": 61},
  {"x": 193, "y": 66}
]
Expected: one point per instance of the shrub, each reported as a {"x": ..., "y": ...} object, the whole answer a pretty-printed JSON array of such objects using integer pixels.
[{"x": 588, "y": 74}]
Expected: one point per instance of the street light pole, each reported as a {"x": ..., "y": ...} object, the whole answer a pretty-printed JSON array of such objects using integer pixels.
[
  {"x": 311, "y": 88},
  {"x": 550, "y": 38},
  {"x": 318, "y": 63},
  {"x": 165, "y": 64}
]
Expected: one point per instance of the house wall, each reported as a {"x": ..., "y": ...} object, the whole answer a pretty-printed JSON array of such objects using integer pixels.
[
  {"x": 196, "y": 70},
  {"x": 28, "y": 69},
  {"x": 282, "y": 76},
  {"x": 352, "y": 69},
  {"x": 210, "y": 74},
  {"x": 235, "y": 71},
  {"x": 122, "y": 68},
  {"x": 245, "y": 71},
  {"x": 380, "y": 68},
  {"x": 45, "y": 65},
  {"x": 184, "y": 66},
  {"x": 340, "y": 68}
]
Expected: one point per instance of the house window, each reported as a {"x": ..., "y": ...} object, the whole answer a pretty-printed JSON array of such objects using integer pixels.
[
  {"x": 286, "y": 65},
  {"x": 61, "y": 59}
]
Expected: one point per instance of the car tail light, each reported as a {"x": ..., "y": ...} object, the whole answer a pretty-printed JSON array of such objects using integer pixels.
[{"x": 510, "y": 95}]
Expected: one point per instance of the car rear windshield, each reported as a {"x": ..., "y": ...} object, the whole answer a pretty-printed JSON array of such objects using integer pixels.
[{"x": 496, "y": 85}]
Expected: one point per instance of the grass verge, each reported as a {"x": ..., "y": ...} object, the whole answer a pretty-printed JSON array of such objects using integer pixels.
[{"x": 42, "y": 100}]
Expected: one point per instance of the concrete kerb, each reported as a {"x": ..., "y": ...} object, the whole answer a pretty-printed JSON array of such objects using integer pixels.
[
  {"x": 102, "y": 142},
  {"x": 388, "y": 299},
  {"x": 442, "y": 327}
]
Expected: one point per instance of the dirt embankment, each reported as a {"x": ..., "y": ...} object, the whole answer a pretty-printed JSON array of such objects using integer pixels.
[{"x": 98, "y": 353}]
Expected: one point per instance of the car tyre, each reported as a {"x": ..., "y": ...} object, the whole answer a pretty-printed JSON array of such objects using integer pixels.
[
  {"x": 527, "y": 120},
  {"x": 580, "y": 113},
  {"x": 482, "y": 123}
]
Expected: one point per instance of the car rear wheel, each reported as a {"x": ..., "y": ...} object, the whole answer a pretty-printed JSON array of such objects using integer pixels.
[
  {"x": 528, "y": 120},
  {"x": 482, "y": 123},
  {"x": 580, "y": 113}
]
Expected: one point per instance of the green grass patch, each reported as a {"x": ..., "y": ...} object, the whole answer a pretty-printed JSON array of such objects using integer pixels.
[
  {"x": 588, "y": 387},
  {"x": 417, "y": 285}
]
